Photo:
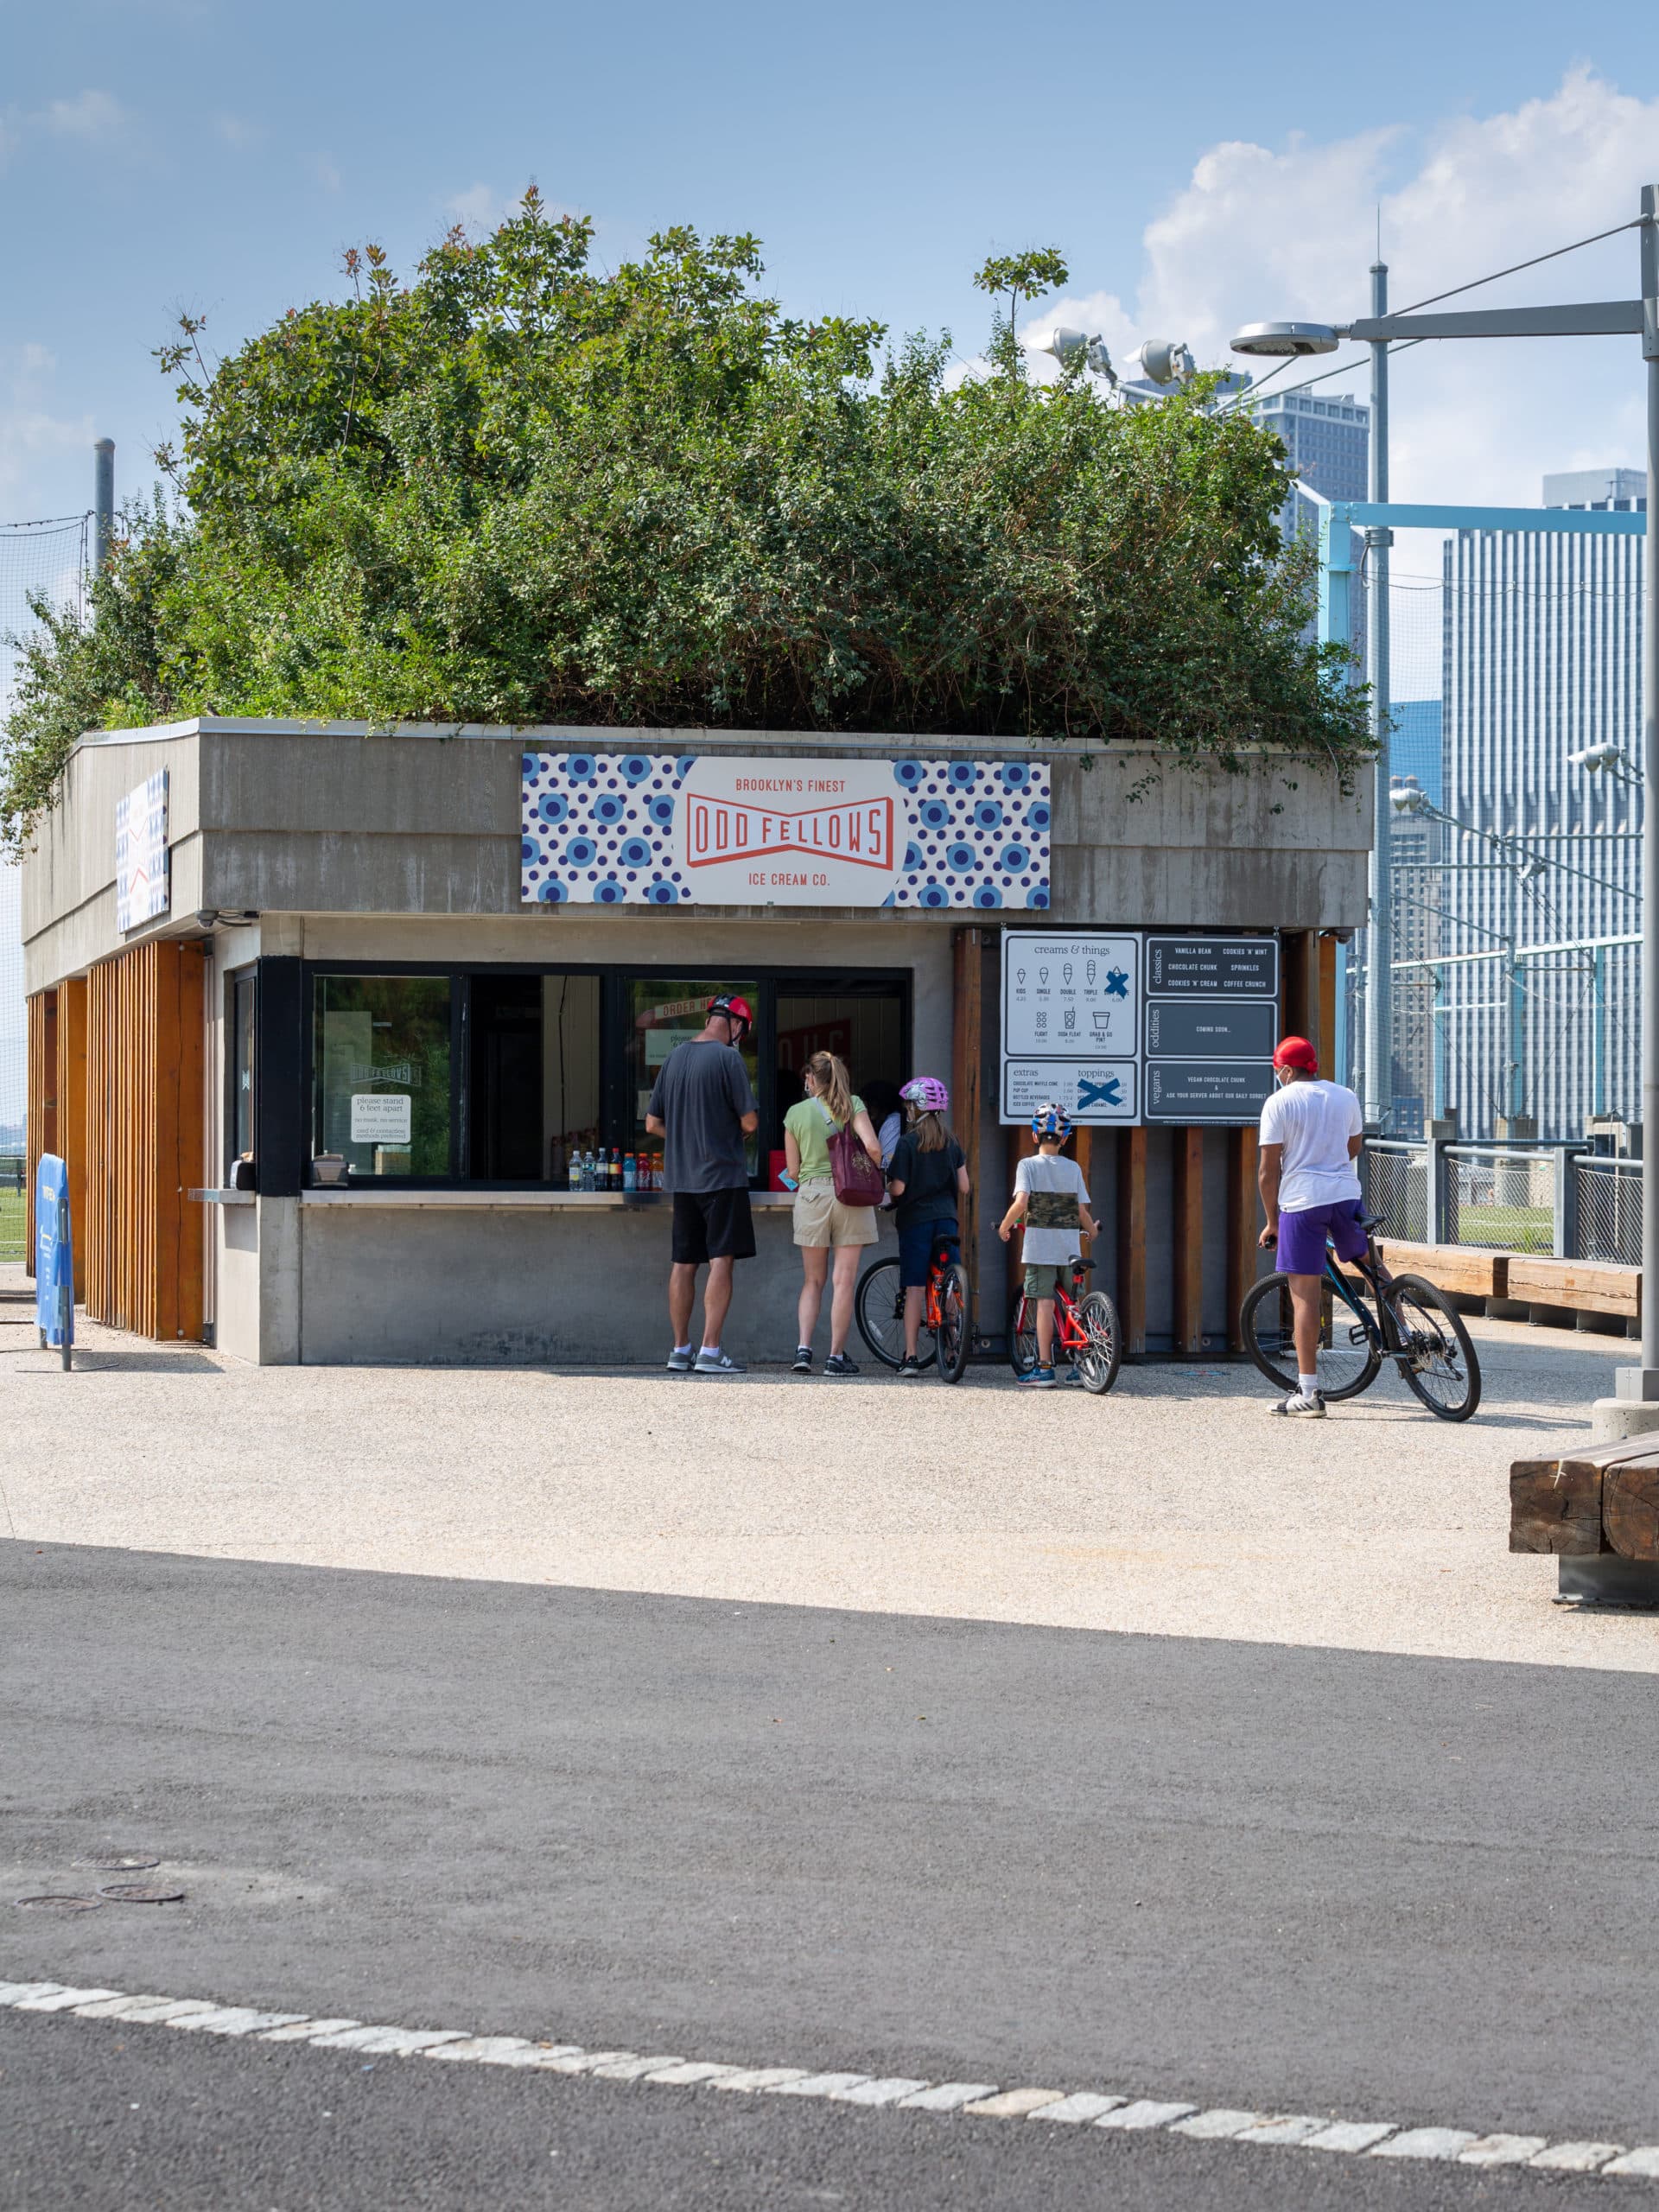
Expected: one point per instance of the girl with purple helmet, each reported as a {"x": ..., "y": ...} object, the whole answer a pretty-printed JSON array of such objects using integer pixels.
[{"x": 928, "y": 1176}]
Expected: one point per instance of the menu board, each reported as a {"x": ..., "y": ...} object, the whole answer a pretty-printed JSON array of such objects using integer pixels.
[{"x": 1128, "y": 1027}]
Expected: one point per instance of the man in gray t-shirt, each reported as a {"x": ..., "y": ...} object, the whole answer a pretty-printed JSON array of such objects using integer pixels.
[{"x": 703, "y": 1109}]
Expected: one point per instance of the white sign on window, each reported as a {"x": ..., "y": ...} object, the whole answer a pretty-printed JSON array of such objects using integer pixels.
[{"x": 381, "y": 1117}]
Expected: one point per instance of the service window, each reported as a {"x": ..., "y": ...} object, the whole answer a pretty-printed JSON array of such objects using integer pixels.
[
  {"x": 381, "y": 1062},
  {"x": 533, "y": 1094},
  {"x": 662, "y": 1012},
  {"x": 243, "y": 989}
]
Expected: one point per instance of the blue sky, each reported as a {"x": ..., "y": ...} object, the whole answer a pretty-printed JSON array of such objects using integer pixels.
[{"x": 166, "y": 153}]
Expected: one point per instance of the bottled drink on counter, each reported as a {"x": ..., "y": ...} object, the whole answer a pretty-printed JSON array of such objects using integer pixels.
[
  {"x": 630, "y": 1172},
  {"x": 616, "y": 1168},
  {"x": 587, "y": 1169},
  {"x": 657, "y": 1171},
  {"x": 575, "y": 1173}
]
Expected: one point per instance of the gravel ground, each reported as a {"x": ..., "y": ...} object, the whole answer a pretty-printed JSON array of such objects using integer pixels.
[{"x": 1176, "y": 1506}]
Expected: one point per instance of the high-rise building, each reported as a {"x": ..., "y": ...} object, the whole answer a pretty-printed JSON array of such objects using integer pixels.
[
  {"x": 1327, "y": 442},
  {"x": 1542, "y": 657},
  {"x": 1619, "y": 489}
]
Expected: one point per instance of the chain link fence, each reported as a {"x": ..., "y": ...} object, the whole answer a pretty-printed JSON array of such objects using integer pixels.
[{"x": 1558, "y": 1200}]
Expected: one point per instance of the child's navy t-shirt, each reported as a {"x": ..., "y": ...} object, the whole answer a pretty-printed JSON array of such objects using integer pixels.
[{"x": 930, "y": 1181}]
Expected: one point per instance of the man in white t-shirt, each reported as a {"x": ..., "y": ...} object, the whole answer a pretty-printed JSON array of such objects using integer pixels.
[{"x": 1312, "y": 1131}]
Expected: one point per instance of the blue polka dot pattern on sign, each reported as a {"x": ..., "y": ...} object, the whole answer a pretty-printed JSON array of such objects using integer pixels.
[{"x": 974, "y": 834}]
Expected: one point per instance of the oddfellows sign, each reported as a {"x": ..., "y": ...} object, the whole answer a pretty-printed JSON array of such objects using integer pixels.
[{"x": 665, "y": 829}]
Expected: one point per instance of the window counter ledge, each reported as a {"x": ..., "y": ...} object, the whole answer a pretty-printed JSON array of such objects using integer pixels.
[{"x": 359, "y": 1194}]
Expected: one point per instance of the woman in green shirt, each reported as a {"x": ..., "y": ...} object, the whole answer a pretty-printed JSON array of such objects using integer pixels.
[{"x": 822, "y": 1224}]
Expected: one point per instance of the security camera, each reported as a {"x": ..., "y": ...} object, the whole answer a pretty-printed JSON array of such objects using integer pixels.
[{"x": 206, "y": 917}]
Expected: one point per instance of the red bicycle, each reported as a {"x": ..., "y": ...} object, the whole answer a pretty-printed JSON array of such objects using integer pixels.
[
  {"x": 946, "y": 1316},
  {"x": 1086, "y": 1331}
]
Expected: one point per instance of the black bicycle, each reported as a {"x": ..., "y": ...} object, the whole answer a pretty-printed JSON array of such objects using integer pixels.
[{"x": 1361, "y": 1323}]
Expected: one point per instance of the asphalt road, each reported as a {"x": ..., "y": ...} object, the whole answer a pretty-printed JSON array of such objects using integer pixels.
[{"x": 1413, "y": 1890}]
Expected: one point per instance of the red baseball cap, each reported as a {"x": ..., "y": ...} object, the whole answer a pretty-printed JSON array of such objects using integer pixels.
[{"x": 1297, "y": 1053}]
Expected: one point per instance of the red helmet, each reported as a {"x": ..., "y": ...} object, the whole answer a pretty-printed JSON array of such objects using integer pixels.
[
  {"x": 732, "y": 1009},
  {"x": 1297, "y": 1053}
]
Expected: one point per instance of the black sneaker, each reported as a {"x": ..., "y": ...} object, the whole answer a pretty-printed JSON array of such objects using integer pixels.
[
  {"x": 838, "y": 1363},
  {"x": 802, "y": 1359},
  {"x": 910, "y": 1370}
]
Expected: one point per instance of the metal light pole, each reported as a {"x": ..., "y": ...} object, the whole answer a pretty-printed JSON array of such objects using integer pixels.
[
  {"x": 1637, "y": 1406},
  {"x": 1379, "y": 935},
  {"x": 1643, "y": 1382},
  {"x": 103, "y": 501}
]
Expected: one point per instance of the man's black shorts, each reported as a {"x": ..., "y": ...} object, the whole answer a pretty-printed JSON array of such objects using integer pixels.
[{"x": 712, "y": 1225}]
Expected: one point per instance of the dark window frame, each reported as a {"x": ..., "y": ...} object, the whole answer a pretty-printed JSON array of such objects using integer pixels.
[{"x": 615, "y": 978}]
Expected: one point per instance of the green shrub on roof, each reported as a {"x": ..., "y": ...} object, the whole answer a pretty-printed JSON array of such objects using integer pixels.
[{"x": 516, "y": 489}]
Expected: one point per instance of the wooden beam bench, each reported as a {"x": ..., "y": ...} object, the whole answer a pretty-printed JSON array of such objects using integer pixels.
[
  {"x": 1583, "y": 1286},
  {"x": 1462, "y": 1270},
  {"x": 1598, "y": 1498}
]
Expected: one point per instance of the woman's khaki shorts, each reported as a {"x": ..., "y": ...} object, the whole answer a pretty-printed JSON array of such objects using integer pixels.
[{"x": 821, "y": 1218}]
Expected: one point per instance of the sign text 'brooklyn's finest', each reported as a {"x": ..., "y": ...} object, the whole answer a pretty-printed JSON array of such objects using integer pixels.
[{"x": 661, "y": 829}]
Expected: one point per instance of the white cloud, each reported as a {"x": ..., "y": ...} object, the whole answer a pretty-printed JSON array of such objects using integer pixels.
[
  {"x": 479, "y": 208},
  {"x": 324, "y": 172},
  {"x": 90, "y": 114},
  {"x": 1259, "y": 234},
  {"x": 237, "y": 131}
]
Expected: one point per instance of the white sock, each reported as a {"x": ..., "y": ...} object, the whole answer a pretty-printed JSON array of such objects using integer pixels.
[
  {"x": 713, "y": 1347},
  {"x": 1309, "y": 1385},
  {"x": 682, "y": 1347}
]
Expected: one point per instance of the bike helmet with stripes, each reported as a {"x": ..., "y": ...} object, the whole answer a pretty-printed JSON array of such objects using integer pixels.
[
  {"x": 926, "y": 1094},
  {"x": 1051, "y": 1120}
]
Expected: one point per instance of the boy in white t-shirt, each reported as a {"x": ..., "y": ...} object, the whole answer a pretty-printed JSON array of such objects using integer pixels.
[
  {"x": 1312, "y": 1131},
  {"x": 1052, "y": 1199}
]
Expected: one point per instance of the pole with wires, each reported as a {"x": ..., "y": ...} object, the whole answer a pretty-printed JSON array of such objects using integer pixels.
[
  {"x": 103, "y": 501},
  {"x": 1649, "y": 1377},
  {"x": 1379, "y": 935}
]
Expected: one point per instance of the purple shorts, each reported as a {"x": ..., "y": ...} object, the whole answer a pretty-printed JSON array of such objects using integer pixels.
[{"x": 1302, "y": 1236}]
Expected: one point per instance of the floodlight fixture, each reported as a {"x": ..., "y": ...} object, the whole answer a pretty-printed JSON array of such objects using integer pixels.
[
  {"x": 1066, "y": 344},
  {"x": 1605, "y": 755},
  {"x": 1410, "y": 798},
  {"x": 1165, "y": 360},
  {"x": 1297, "y": 340}
]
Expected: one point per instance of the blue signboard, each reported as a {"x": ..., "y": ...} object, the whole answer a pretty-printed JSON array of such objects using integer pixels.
[{"x": 54, "y": 1272}]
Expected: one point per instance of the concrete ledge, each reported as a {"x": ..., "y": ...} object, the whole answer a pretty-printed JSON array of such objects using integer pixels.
[{"x": 360, "y": 1194}]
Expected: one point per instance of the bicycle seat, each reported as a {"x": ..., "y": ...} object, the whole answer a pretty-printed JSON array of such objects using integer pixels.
[
  {"x": 1082, "y": 1267},
  {"x": 1368, "y": 1221}
]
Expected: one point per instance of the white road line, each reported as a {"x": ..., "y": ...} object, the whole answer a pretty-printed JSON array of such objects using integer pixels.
[{"x": 972, "y": 2101}]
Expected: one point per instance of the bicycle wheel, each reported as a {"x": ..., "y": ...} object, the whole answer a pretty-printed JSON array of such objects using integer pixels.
[
  {"x": 1442, "y": 1369},
  {"x": 879, "y": 1309},
  {"x": 1022, "y": 1336},
  {"x": 1098, "y": 1318},
  {"x": 1347, "y": 1360},
  {"x": 955, "y": 1337}
]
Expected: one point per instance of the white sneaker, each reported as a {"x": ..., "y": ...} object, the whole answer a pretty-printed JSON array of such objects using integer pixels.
[{"x": 1300, "y": 1407}]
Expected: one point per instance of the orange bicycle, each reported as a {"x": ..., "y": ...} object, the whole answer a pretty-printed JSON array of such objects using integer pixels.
[
  {"x": 1086, "y": 1332},
  {"x": 946, "y": 1316}
]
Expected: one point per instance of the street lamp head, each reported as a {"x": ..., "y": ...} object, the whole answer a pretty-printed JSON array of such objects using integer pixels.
[
  {"x": 1408, "y": 798},
  {"x": 1275, "y": 339}
]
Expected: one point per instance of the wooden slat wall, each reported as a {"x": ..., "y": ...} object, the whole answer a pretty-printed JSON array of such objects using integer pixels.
[
  {"x": 1132, "y": 1239},
  {"x": 1243, "y": 1222},
  {"x": 141, "y": 1242},
  {"x": 1189, "y": 1242}
]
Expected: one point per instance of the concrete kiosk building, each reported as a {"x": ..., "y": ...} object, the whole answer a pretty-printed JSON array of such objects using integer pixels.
[{"x": 453, "y": 957}]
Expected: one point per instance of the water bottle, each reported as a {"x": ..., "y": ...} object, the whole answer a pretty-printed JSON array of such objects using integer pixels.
[
  {"x": 630, "y": 1172},
  {"x": 574, "y": 1174},
  {"x": 588, "y": 1170}
]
